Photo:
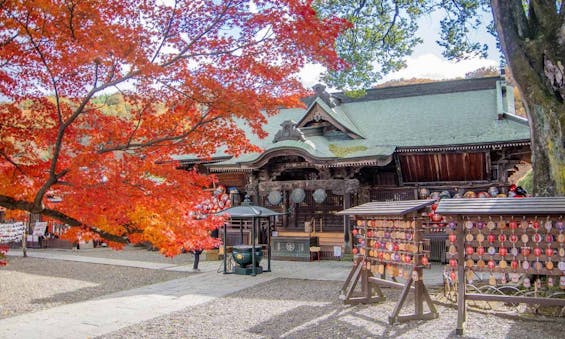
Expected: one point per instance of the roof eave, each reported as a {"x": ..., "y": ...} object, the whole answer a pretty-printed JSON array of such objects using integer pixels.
[{"x": 463, "y": 147}]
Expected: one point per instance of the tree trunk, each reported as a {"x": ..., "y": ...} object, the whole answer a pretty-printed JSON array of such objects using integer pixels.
[
  {"x": 548, "y": 156},
  {"x": 534, "y": 60}
]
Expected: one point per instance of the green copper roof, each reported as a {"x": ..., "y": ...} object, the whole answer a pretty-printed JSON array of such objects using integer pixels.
[
  {"x": 444, "y": 119},
  {"x": 465, "y": 112}
]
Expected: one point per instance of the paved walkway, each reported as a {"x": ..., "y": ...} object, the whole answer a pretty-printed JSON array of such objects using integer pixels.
[{"x": 112, "y": 312}]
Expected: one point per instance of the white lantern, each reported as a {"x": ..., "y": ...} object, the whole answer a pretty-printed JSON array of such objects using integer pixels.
[
  {"x": 297, "y": 196},
  {"x": 274, "y": 197},
  {"x": 319, "y": 195}
]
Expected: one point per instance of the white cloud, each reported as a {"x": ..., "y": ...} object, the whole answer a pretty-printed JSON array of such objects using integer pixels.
[
  {"x": 310, "y": 74},
  {"x": 431, "y": 66}
]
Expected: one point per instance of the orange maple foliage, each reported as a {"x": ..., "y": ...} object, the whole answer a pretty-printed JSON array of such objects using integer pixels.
[{"x": 186, "y": 70}]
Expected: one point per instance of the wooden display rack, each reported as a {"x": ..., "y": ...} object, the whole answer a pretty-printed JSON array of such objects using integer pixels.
[
  {"x": 384, "y": 225},
  {"x": 521, "y": 220}
]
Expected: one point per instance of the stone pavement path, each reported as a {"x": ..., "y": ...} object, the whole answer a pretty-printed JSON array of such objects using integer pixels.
[{"x": 101, "y": 316}]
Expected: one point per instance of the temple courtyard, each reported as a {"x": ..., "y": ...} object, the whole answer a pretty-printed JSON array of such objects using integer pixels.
[{"x": 136, "y": 293}]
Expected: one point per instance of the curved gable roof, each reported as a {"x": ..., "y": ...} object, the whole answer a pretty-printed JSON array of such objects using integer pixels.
[{"x": 335, "y": 115}]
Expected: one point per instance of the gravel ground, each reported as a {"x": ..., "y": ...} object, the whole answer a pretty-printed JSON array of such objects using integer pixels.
[
  {"x": 280, "y": 308},
  {"x": 290, "y": 308},
  {"x": 31, "y": 284}
]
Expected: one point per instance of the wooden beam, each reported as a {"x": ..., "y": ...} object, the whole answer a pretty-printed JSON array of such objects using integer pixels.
[
  {"x": 378, "y": 281},
  {"x": 516, "y": 299}
]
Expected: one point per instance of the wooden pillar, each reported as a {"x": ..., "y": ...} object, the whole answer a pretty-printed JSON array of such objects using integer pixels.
[
  {"x": 269, "y": 243},
  {"x": 253, "y": 225},
  {"x": 252, "y": 188},
  {"x": 461, "y": 307},
  {"x": 398, "y": 170},
  {"x": 286, "y": 207},
  {"x": 346, "y": 224},
  {"x": 225, "y": 247}
]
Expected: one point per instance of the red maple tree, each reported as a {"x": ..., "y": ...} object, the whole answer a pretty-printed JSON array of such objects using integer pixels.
[{"x": 97, "y": 96}]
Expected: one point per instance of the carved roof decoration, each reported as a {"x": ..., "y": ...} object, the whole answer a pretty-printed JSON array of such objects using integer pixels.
[
  {"x": 321, "y": 93},
  {"x": 289, "y": 131}
]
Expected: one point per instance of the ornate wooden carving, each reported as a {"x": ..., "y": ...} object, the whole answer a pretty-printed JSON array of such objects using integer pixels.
[
  {"x": 338, "y": 187},
  {"x": 289, "y": 131}
]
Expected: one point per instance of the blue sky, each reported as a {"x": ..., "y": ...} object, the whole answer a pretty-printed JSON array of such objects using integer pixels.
[{"x": 427, "y": 61}]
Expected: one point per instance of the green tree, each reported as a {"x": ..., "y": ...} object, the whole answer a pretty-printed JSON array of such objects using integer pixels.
[{"x": 531, "y": 36}]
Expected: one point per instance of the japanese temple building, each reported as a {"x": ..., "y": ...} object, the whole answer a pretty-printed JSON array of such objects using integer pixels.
[{"x": 338, "y": 152}]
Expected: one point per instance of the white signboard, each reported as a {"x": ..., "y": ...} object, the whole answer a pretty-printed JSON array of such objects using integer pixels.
[
  {"x": 39, "y": 228},
  {"x": 337, "y": 251},
  {"x": 11, "y": 232}
]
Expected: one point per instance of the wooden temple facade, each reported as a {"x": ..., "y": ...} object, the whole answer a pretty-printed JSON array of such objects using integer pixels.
[{"x": 339, "y": 152}]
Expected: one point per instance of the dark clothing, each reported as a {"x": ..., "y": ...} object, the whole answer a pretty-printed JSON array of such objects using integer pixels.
[
  {"x": 196, "y": 258},
  {"x": 215, "y": 233}
]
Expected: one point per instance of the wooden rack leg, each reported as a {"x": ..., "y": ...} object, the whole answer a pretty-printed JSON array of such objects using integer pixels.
[
  {"x": 428, "y": 301},
  {"x": 368, "y": 288},
  {"x": 418, "y": 307},
  {"x": 461, "y": 284},
  {"x": 461, "y": 305},
  {"x": 365, "y": 290},
  {"x": 352, "y": 273},
  {"x": 421, "y": 295},
  {"x": 392, "y": 318},
  {"x": 348, "y": 288},
  {"x": 360, "y": 274}
]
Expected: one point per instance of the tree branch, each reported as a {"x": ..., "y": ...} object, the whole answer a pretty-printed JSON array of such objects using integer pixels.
[
  {"x": 14, "y": 204},
  {"x": 71, "y": 7},
  {"x": 520, "y": 20},
  {"x": 213, "y": 24},
  {"x": 543, "y": 13},
  {"x": 166, "y": 33},
  {"x": 267, "y": 35},
  {"x": 157, "y": 141},
  {"x": 11, "y": 161},
  {"x": 357, "y": 11},
  {"x": 392, "y": 23}
]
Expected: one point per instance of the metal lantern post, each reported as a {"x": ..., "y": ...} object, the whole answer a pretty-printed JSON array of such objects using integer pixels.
[{"x": 255, "y": 213}]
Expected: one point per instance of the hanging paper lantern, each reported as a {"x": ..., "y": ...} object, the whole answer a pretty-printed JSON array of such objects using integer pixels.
[
  {"x": 319, "y": 195},
  {"x": 493, "y": 191},
  {"x": 423, "y": 193},
  {"x": 274, "y": 197},
  {"x": 445, "y": 195},
  {"x": 297, "y": 196}
]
